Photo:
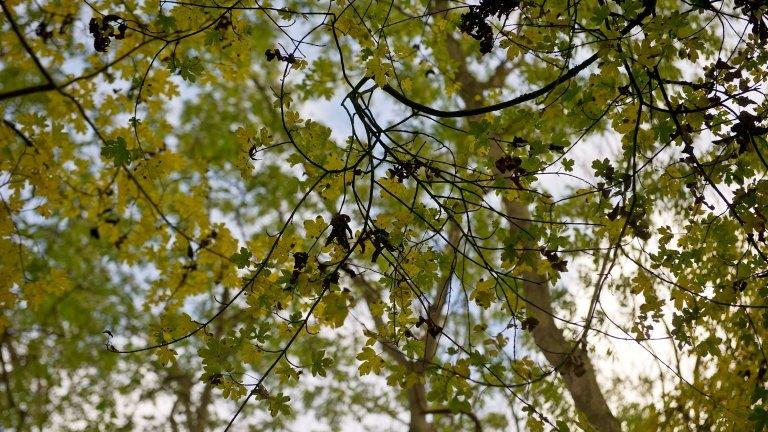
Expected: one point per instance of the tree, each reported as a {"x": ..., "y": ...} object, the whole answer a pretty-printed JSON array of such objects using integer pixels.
[{"x": 411, "y": 215}]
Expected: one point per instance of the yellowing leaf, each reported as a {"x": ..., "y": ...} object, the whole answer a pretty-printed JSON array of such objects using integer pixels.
[
  {"x": 484, "y": 293},
  {"x": 371, "y": 362}
]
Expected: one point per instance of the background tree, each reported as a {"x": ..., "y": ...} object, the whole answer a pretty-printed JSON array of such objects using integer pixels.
[{"x": 410, "y": 215}]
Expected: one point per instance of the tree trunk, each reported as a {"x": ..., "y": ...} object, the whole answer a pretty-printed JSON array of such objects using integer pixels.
[{"x": 573, "y": 364}]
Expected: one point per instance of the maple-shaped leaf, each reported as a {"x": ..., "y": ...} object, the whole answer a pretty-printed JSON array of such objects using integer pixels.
[
  {"x": 279, "y": 404},
  {"x": 166, "y": 356},
  {"x": 287, "y": 373},
  {"x": 320, "y": 363},
  {"x": 190, "y": 68},
  {"x": 371, "y": 362},
  {"x": 484, "y": 293},
  {"x": 232, "y": 389},
  {"x": 242, "y": 259},
  {"x": 166, "y": 23},
  {"x": 116, "y": 151}
]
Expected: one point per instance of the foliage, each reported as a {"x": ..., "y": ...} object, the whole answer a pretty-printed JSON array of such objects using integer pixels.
[{"x": 446, "y": 215}]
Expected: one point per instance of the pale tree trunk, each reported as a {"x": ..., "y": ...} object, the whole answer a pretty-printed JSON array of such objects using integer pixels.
[
  {"x": 573, "y": 363},
  {"x": 417, "y": 401}
]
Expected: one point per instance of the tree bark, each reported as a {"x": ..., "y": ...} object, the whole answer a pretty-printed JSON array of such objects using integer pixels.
[{"x": 571, "y": 362}]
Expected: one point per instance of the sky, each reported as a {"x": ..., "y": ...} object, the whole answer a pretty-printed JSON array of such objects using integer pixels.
[{"x": 631, "y": 362}]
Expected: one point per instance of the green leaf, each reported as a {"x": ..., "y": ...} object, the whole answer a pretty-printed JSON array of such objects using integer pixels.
[
  {"x": 116, "y": 151},
  {"x": 232, "y": 389},
  {"x": 320, "y": 363},
  {"x": 371, "y": 362},
  {"x": 166, "y": 356},
  {"x": 484, "y": 293},
  {"x": 190, "y": 69},
  {"x": 479, "y": 128},
  {"x": 242, "y": 259},
  {"x": 759, "y": 418},
  {"x": 166, "y": 23},
  {"x": 278, "y": 404}
]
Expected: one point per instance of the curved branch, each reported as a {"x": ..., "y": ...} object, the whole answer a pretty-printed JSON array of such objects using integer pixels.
[
  {"x": 495, "y": 107},
  {"x": 571, "y": 73},
  {"x": 472, "y": 416}
]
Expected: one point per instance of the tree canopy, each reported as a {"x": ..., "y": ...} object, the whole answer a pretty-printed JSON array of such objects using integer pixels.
[{"x": 363, "y": 214}]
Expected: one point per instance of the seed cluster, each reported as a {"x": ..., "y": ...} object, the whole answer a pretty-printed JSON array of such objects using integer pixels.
[{"x": 475, "y": 22}]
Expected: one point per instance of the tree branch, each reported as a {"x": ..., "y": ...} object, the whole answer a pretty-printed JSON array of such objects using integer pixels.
[
  {"x": 472, "y": 416},
  {"x": 562, "y": 355},
  {"x": 469, "y": 112}
]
